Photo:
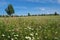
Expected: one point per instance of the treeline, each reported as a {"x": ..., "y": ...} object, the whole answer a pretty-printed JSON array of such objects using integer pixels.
[
  {"x": 29, "y": 14},
  {"x": 44, "y": 14}
]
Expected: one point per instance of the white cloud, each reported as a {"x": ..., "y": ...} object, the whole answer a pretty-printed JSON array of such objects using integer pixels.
[
  {"x": 40, "y": 8},
  {"x": 58, "y": 1},
  {"x": 17, "y": 7},
  {"x": 43, "y": 1},
  {"x": 33, "y": 0}
]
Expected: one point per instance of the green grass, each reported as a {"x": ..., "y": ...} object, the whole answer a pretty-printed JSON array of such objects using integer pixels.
[{"x": 30, "y": 28}]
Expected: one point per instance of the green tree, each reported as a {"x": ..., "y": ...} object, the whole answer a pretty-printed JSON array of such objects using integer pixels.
[
  {"x": 55, "y": 13},
  {"x": 9, "y": 10},
  {"x": 29, "y": 14}
]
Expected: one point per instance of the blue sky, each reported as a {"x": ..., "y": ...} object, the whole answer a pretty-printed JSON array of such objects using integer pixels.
[{"x": 22, "y": 7}]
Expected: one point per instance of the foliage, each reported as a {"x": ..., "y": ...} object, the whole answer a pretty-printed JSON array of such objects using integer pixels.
[
  {"x": 9, "y": 10},
  {"x": 28, "y": 14},
  {"x": 56, "y": 13},
  {"x": 30, "y": 28}
]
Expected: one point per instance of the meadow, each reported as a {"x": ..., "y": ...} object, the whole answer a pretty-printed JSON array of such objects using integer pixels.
[{"x": 30, "y": 28}]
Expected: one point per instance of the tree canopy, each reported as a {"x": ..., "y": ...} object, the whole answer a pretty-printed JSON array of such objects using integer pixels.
[{"x": 9, "y": 10}]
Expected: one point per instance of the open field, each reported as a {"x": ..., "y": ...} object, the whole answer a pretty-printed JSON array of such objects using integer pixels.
[{"x": 30, "y": 28}]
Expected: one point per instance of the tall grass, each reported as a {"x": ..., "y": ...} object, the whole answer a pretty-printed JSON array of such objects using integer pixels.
[{"x": 30, "y": 28}]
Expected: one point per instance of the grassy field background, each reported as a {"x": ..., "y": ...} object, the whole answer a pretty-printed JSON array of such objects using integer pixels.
[{"x": 30, "y": 28}]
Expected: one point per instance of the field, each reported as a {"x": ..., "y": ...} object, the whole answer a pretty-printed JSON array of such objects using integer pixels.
[{"x": 30, "y": 28}]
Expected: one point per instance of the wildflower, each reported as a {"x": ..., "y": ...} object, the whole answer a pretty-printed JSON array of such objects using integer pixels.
[
  {"x": 31, "y": 34},
  {"x": 27, "y": 37},
  {"x": 16, "y": 35},
  {"x": 38, "y": 38},
  {"x": 8, "y": 36},
  {"x": 36, "y": 34},
  {"x": 12, "y": 39},
  {"x": 29, "y": 27},
  {"x": 40, "y": 26},
  {"x": 3, "y": 35},
  {"x": 45, "y": 36},
  {"x": 56, "y": 37},
  {"x": 9, "y": 30},
  {"x": 56, "y": 32}
]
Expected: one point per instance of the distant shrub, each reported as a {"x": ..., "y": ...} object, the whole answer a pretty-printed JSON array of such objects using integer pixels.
[
  {"x": 29, "y": 14},
  {"x": 56, "y": 13}
]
